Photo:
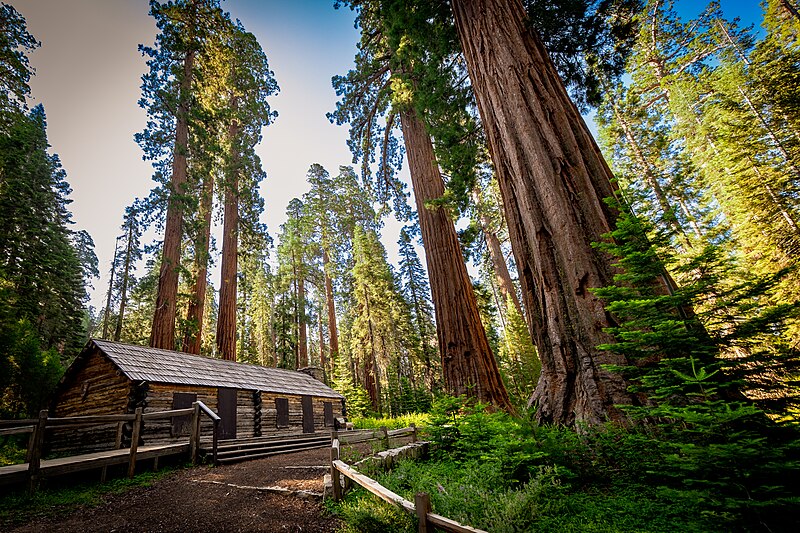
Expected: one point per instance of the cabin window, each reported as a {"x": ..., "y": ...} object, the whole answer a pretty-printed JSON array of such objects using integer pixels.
[
  {"x": 182, "y": 425},
  {"x": 327, "y": 408},
  {"x": 282, "y": 408}
]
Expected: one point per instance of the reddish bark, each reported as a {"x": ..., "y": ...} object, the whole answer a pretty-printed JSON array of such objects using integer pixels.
[
  {"x": 302, "y": 328},
  {"x": 467, "y": 359},
  {"x": 162, "y": 335},
  {"x": 333, "y": 332},
  {"x": 193, "y": 339},
  {"x": 226, "y": 320},
  {"x": 553, "y": 181}
]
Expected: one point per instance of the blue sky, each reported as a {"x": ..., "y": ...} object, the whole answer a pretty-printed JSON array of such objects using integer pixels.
[{"x": 88, "y": 77}]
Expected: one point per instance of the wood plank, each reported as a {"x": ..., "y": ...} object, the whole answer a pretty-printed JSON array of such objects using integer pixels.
[
  {"x": 19, "y": 422},
  {"x": 87, "y": 420},
  {"x": 155, "y": 415},
  {"x": 77, "y": 463},
  {"x": 374, "y": 487},
  {"x": 16, "y": 431},
  {"x": 12, "y": 474},
  {"x": 451, "y": 525}
]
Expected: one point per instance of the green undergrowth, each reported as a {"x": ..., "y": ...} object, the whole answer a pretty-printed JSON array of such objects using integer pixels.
[
  {"x": 12, "y": 452},
  {"x": 403, "y": 421},
  {"x": 18, "y": 507},
  {"x": 361, "y": 512},
  {"x": 501, "y": 474}
]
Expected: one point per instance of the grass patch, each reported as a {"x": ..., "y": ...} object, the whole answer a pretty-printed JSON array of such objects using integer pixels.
[
  {"x": 19, "y": 507},
  {"x": 362, "y": 512},
  {"x": 403, "y": 421}
]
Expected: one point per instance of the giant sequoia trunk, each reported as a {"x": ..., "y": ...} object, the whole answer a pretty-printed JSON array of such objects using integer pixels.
[
  {"x": 226, "y": 320},
  {"x": 331, "y": 305},
  {"x": 467, "y": 359},
  {"x": 553, "y": 181},
  {"x": 193, "y": 340},
  {"x": 162, "y": 334},
  {"x": 302, "y": 328}
]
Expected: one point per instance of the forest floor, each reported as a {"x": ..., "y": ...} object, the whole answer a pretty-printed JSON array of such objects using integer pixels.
[{"x": 226, "y": 498}]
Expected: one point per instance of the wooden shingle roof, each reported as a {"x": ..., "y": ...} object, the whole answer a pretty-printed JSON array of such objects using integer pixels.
[{"x": 140, "y": 363}]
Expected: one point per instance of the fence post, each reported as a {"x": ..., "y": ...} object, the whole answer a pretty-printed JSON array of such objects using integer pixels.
[
  {"x": 117, "y": 446},
  {"x": 215, "y": 441},
  {"x": 335, "y": 476},
  {"x": 413, "y": 432},
  {"x": 137, "y": 430},
  {"x": 118, "y": 440},
  {"x": 31, "y": 445},
  {"x": 385, "y": 437},
  {"x": 194, "y": 439},
  {"x": 422, "y": 503},
  {"x": 35, "y": 460}
]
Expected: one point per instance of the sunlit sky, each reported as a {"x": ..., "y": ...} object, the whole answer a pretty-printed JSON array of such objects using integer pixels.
[{"x": 88, "y": 73}]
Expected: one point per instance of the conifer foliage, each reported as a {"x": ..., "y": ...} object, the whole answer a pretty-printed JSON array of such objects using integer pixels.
[{"x": 45, "y": 266}]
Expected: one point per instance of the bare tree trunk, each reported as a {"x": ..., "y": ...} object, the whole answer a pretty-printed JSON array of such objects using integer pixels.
[
  {"x": 193, "y": 340},
  {"x": 302, "y": 328},
  {"x": 467, "y": 359},
  {"x": 123, "y": 291},
  {"x": 333, "y": 331},
  {"x": 226, "y": 321},
  {"x": 553, "y": 181},
  {"x": 110, "y": 290},
  {"x": 650, "y": 177},
  {"x": 162, "y": 334},
  {"x": 503, "y": 276}
]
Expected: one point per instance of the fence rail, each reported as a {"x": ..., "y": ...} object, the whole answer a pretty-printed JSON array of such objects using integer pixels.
[
  {"x": 421, "y": 507},
  {"x": 37, "y": 428}
]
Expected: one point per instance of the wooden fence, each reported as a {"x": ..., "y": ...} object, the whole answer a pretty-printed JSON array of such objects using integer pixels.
[
  {"x": 421, "y": 507},
  {"x": 382, "y": 434},
  {"x": 37, "y": 427}
]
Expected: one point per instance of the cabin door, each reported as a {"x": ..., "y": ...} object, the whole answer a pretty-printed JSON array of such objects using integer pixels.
[
  {"x": 308, "y": 414},
  {"x": 182, "y": 425},
  {"x": 226, "y": 405}
]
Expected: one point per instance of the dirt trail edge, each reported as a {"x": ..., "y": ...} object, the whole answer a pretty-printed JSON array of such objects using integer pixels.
[{"x": 242, "y": 497}]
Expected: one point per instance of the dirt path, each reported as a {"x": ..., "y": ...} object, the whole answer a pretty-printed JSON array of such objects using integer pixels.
[{"x": 203, "y": 499}]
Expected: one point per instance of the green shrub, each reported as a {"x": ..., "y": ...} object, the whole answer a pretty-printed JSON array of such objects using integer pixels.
[{"x": 13, "y": 450}]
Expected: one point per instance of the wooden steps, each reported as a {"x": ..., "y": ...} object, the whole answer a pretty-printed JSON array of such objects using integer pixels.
[{"x": 259, "y": 447}]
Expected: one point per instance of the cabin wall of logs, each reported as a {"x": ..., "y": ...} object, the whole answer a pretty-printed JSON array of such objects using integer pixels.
[{"x": 100, "y": 388}]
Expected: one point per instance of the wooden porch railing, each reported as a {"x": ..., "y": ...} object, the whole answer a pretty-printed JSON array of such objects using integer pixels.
[
  {"x": 421, "y": 507},
  {"x": 37, "y": 427}
]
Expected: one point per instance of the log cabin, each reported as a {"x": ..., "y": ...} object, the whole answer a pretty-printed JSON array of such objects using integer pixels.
[{"x": 253, "y": 401}]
